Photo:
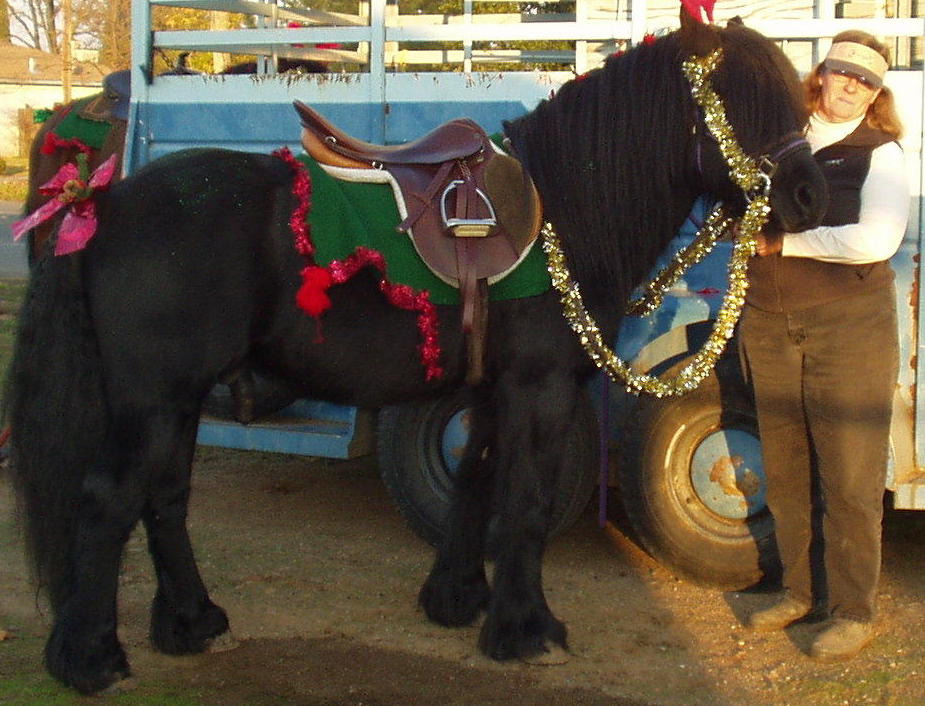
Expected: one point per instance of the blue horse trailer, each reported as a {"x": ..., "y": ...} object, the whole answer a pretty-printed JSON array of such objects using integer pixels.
[{"x": 688, "y": 469}]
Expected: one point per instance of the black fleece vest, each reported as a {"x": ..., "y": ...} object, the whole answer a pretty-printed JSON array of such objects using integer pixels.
[{"x": 781, "y": 284}]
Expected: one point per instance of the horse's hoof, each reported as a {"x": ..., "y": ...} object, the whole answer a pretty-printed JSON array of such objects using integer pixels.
[
  {"x": 92, "y": 684},
  {"x": 90, "y": 679},
  {"x": 89, "y": 666},
  {"x": 554, "y": 655},
  {"x": 223, "y": 643},
  {"x": 120, "y": 687},
  {"x": 535, "y": 637},
  {"x": 175, "y": 634},
  {"x": 454, "y": 602}
]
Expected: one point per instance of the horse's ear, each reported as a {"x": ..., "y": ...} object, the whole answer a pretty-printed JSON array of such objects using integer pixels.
[
  {"x": 697, "y": 38},
  {"x": 736, "y": 21}
]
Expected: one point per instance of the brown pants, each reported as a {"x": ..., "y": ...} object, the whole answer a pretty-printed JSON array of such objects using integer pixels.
[{"x": 824, "y": 379}]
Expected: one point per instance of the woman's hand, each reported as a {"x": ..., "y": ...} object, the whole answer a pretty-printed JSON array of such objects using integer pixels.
[{"x": 769, "y": 243}]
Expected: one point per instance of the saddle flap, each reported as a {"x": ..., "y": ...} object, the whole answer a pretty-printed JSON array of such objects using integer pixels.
[
  {"x": 517, "y": 210},
  {"x": 516, "y": 200}
]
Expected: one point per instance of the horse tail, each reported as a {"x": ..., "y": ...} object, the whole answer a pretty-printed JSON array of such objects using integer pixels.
[{"x": 54, "y": 406}]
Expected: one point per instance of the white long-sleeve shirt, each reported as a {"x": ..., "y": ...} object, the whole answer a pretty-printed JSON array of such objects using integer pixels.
[{"x": 884, "y": 206}]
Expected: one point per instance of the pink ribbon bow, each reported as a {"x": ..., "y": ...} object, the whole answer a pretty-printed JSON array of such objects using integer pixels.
[{"x": 70, "y": 188}]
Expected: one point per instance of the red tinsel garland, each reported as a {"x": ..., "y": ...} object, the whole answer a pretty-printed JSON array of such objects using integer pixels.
[
  {"x": 402, "y": 296},
  {"x": 312, "y": 296},
  {"x": 302, "y": 190},
  {"x": 53, "y": 143}
]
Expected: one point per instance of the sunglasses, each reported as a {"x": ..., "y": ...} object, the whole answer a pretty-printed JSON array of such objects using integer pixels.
[{"x": 845, "y": 76}]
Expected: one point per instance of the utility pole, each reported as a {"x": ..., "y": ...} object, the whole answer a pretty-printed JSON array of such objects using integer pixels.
[
  {"x": 67, "y": 65},
  {"x": 217, "y": 21}
]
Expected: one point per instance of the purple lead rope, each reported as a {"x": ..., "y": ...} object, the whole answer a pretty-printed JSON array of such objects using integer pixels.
[{"x": 604, "y": 451}]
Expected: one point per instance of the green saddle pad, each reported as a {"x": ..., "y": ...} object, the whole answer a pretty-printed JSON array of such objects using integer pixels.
[
  {"x": 345, "y": 215},
  {"x": 91, "y": 132}
]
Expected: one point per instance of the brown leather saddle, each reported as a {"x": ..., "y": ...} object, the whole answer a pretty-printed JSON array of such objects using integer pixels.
[{"x": 472, "y": 211}]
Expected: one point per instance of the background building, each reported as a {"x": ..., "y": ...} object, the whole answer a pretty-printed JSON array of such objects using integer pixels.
[{"x": 31, "y": 79}]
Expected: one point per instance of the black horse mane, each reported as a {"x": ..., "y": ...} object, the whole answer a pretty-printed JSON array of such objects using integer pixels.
[{"x": 609, "y": 152}]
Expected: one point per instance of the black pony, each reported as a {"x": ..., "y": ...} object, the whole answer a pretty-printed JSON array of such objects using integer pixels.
[{"x": 193, "y": 275}]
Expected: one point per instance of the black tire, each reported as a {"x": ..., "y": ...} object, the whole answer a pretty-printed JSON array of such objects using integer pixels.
[
  {"x": 693, "y": 486},
  {"x": 417, "y": 444}
]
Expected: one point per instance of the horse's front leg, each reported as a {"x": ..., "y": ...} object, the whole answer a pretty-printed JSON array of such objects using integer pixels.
[
  {"x": 534, "y": 422},
  {"x": 457, "y": 590},
  {"x": 183, "y": 618}
]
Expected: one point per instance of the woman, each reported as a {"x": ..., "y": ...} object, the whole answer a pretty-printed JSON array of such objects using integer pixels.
[{"x": 819, "y": 343}]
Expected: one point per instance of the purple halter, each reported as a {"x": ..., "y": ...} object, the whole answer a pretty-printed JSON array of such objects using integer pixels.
[{"x": 767, "y": 163}]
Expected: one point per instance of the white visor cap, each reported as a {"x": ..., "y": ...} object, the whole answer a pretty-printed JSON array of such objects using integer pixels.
[{"x": 858, "y": 59}]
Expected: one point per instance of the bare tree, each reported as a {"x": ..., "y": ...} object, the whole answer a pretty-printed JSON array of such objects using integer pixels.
[
  {"x": 116, "y": 40},
  {"x": 105, "y": 24},
  {"x": 33, "y": 23},
  {"x": 4, "y": 22},
  {"x": 97, "y": 24},
  {"x": 25, "y": 23},
  {"x": 49, "y": 10}
]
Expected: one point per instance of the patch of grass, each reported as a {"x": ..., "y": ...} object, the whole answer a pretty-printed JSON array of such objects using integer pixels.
[
  {"x": 39, "y": 689},
  {"x": 12, "y": 293},
  {"x": 13, "y": 190},
  {"x": 33, "y": 690},
  {"x": 16, "y": 165},
  {"x": 14, "y": 187},
  {"x": 24, "y": 682}
]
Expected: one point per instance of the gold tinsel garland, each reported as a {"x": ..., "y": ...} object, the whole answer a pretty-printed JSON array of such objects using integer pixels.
[
  {"x": 713, "y": 228},
  {"x": 745, "y": 173}
]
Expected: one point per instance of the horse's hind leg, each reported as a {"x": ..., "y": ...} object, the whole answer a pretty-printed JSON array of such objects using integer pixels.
[
  {"x": 183, "y": 618},
  {"x": 83, "y": 649},
  {"x": 456, "y": 589},
  {"x": 142, "y": 470}
]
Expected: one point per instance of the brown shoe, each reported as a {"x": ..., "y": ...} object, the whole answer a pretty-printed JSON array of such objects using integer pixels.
[
  {"x": 779, "y": 615},
  {"x": 841, "y": 639}
]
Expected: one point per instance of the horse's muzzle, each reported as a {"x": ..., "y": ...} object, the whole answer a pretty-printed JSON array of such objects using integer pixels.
[{"x": 799, "y": 192}]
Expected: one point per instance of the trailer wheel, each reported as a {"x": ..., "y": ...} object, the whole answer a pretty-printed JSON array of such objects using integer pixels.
[
  {"x": 693, "y": 484},
  {"x": 419, "y": 448}
]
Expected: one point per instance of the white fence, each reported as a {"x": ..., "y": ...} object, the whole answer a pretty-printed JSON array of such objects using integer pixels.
[{"x": 379, "y": 47}]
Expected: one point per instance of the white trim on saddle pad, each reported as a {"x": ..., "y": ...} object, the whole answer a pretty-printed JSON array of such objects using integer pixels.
[{"x": 381, "y": 176}]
